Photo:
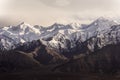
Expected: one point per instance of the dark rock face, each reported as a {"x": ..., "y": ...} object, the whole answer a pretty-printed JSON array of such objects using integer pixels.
[
  {"x": 37, "y": 49},
  {"x": 41, "y": 53},
  {"x": 15, "y": 60},
  {"x": 28, "y": 47},
  {"x": 105, "y": 60},
  {"x": 78, "y": 59}
]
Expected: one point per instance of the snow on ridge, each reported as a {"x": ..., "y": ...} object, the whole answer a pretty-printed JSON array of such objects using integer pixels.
[{"x": 26, "y": 33}]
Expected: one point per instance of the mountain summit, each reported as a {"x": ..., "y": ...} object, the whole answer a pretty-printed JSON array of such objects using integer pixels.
[{"x": 56, "y": 36}]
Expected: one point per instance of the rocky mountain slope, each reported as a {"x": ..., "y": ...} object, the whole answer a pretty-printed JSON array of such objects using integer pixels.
[
  {"x": 63, "y": 45},
  {"x": 57, "y": 36},
  {"x": 101, "y": 61}
]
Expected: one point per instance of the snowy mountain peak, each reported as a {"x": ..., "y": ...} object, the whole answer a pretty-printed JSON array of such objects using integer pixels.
[
  {"x": 75, "y": 25},
  {"x": 101, "y": 24},
  {"x": 22, "y": 23},
  {"x": 57, "y": 35},
  {"x": 102, "y": 20},
  {"x": 57, "y": 26}
]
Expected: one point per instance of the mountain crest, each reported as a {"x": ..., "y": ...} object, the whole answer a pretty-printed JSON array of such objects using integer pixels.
[{"x": 65, "y": 34}]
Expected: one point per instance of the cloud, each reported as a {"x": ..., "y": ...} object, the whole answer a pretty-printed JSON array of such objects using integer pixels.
[
  {"x": 49, "y": 11},
  {"x": 62, "y": 3},
  {"x": 77, "y": 5}
]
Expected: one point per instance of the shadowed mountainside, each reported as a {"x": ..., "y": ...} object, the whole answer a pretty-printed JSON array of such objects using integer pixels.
[{"x": 105, "y": 60}]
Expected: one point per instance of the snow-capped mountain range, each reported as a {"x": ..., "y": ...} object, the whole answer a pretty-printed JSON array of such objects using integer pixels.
[{"x": 62, "y": 37}]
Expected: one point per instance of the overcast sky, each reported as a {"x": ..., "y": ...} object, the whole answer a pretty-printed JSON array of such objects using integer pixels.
[{"x": 47, "y": 12}]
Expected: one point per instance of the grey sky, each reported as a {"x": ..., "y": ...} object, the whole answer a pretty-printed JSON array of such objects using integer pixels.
[{"x": 46, "y": 12}]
